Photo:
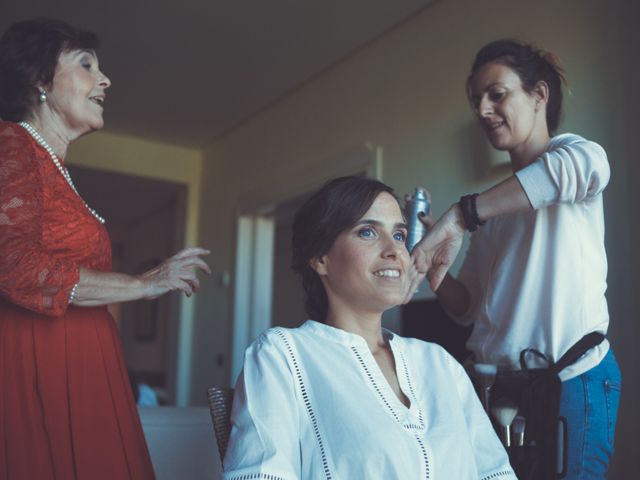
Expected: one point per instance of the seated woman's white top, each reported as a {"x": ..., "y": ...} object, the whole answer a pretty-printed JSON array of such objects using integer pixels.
[{"x": 312, "y": 403}]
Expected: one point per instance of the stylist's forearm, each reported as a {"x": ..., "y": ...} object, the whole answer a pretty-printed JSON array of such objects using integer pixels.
[{"x": 505, "y": 197}]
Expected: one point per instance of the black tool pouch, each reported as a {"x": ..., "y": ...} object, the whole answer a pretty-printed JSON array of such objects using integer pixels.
[{"x": 536, "y": 392}]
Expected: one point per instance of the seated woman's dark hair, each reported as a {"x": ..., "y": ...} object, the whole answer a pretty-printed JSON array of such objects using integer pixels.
[
  {"x": 337, "y": 206},
  {"x": 29, "y": 52},
  {"x": 532, "y": 65}
]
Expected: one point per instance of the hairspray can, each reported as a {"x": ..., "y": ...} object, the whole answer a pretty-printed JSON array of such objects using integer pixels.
[{"x": 417, "y": 230}]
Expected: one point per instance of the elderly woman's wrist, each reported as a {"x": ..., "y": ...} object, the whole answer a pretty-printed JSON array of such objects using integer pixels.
[
  {"x": 142, "y": 285},
  {"x": 73, "y": 294}
]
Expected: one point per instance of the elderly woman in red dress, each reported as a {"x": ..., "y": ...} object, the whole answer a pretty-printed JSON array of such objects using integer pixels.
[{"x": 66, "y": 408}]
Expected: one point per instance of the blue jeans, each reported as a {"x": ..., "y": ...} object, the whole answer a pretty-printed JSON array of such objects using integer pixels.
[{"x": 590, "y": 404}]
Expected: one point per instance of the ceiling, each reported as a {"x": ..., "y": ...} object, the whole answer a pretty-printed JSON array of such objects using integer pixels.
[{"x": 188, "y": 72}]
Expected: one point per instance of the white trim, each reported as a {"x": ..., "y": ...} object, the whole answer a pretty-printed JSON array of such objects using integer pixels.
[
  {"x": 183, "y": 354},
  {"x": 242, "y": 304},
  {"x": 261, "y": 293}
]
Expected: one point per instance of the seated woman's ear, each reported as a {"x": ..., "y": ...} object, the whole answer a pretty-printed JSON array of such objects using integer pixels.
[{"x": 319, "y": 265}]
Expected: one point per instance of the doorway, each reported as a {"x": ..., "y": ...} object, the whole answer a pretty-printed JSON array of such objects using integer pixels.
[{"x": 146, "y": 221}]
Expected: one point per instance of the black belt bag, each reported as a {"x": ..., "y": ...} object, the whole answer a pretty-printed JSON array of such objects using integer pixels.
[{"x": 536, "y": 392}]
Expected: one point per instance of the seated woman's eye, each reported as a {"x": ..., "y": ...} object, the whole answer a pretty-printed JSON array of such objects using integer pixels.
[
  {"x": 366, "y": 232},
  {"x": 400, "y": 236}
]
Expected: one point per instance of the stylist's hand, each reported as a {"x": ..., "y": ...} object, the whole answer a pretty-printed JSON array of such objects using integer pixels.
[
  {"x": 178, "y": 272},
  {"x": 436, "y": 252},
  {"x": 413, "y": 281}
]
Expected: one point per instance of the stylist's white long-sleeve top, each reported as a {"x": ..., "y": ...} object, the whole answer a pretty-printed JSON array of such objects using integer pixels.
[
  {"x": 312, "y": 403},
  {"x": 537, "y": 279}
]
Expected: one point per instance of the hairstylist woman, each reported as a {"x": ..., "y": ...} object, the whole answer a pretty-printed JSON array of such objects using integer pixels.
[{"x": 535, "y": 272}]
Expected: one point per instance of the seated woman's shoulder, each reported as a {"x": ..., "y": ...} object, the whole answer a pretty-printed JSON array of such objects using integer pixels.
[
  {"x": 272, "y": 347},
  {"x": 274, "y": 337},
  {"x": 429, "y": 349}
]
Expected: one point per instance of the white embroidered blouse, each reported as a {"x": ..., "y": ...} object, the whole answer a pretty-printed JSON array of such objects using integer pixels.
[{"x": 312, "y": 403}]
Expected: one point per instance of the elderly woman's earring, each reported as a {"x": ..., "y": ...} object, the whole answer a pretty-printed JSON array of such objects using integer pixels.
[{"x": 43, "y": 96}]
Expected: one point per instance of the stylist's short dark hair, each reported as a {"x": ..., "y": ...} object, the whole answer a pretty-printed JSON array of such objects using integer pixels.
[
  {"x": 29, "y": 52},
  {"x": 337, "y": 206}
]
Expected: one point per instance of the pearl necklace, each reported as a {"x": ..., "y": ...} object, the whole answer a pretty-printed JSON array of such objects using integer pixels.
[{"x": 63, "y": 171}]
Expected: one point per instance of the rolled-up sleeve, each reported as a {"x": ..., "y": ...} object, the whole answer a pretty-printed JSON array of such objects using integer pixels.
[
  {"x": 29, "y": 275},
  {"x": 571, "y": 171},
  {"x": 265, "y": 434}
]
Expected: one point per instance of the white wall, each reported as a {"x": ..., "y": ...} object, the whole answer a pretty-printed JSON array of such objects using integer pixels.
[{"x": 404, "y": 93}]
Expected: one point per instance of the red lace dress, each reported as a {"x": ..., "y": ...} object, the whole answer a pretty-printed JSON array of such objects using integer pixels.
[{"x": 66, "y": 407}]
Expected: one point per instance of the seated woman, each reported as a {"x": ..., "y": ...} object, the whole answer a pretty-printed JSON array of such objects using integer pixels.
[{"x": 340, "y": 397}]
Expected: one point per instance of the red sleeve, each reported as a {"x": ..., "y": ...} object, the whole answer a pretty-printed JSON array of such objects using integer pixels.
[{"x": 29, "y": 275}]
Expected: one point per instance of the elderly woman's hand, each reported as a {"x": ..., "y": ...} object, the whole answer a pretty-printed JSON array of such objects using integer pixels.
[
  {"x": 436, "y": 252},
  {"x": 175, "y": 273}
]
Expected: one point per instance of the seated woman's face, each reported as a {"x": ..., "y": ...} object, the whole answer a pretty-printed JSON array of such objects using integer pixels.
[{"x": 366, "y": 267}]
